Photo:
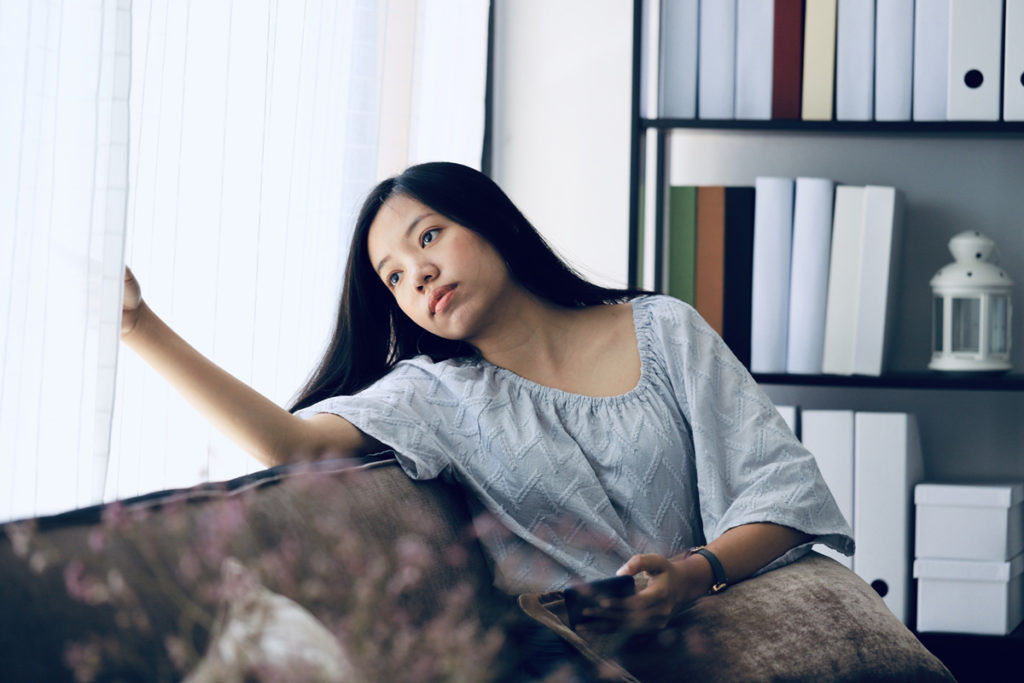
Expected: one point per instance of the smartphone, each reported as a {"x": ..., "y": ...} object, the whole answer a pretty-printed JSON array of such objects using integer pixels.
[{"x": 581, "y": 596}]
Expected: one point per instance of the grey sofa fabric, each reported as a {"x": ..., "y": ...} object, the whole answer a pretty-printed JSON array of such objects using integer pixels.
[
  {"x": 390, "y": 567},
  {"x": 131, "y": 592},
  {"x": 813, "y": 620}
]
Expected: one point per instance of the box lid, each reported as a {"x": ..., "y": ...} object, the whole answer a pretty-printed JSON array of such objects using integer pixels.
[
  {"x": 970, "y": 495},
  {"x": 968, "y": 570}
]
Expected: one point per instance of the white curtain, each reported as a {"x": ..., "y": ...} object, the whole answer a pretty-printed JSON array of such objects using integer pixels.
[
  {"x": 255, "y": 129},
  {"x": 64, "y": 70}
]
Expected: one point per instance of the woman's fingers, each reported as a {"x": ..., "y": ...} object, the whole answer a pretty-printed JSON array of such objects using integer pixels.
[
  {"x": 648, "y": 609},
  {"x": 130, "y": 303},
  {"x": 650, "y": 563}
]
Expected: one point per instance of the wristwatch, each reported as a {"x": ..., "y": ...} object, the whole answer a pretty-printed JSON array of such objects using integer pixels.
[{"x": 717, "y": 570}]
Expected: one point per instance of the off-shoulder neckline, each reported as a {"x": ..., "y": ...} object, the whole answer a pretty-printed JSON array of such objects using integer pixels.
[{"x": 642, "y": 323}]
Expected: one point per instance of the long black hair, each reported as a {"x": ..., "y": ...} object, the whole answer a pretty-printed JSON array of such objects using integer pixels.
[{"x": 372, "y": 334}]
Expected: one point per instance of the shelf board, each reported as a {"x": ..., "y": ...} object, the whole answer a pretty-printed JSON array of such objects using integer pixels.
[
  {"x": 872, "y": 127},
  {"x": 909, "y": 380}
]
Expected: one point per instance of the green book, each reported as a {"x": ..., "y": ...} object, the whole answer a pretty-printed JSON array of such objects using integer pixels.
[{"x": 682, "y": 242}]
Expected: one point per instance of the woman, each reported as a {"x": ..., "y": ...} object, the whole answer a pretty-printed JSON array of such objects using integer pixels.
[{"x": 607, "y": 431}]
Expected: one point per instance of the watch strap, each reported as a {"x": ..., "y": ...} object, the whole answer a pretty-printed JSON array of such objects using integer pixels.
[{"x": 717, "y": 570}]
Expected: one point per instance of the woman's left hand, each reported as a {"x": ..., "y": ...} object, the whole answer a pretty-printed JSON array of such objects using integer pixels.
[{"x": 672, "y": 584}]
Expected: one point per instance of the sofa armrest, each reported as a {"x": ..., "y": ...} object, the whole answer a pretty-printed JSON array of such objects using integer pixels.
[{"x": 812, "y": 620}]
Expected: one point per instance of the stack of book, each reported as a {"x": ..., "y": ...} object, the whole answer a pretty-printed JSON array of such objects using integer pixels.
[
  {"x": 871, "y": 462},
  {"x": 796, "y": 274},
  {"x": 845, "y": 60}
]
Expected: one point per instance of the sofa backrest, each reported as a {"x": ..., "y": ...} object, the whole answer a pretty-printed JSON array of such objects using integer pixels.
[{"x": 132, "y": 590}]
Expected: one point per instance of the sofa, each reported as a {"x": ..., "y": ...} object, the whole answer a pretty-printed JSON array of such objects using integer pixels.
[{"x": 347, "y": 570}]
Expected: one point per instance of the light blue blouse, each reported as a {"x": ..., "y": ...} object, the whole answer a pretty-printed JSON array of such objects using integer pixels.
[{"x": 568, "y": 487}]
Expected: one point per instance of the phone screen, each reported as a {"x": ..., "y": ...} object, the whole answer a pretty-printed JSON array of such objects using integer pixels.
[{"x": 579, "y": 597}]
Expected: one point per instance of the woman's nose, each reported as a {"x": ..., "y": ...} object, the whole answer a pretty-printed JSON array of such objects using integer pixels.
[{"x": 424, "y": 274}]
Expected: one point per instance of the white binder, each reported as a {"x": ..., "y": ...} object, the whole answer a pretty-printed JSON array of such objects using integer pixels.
[
  {"x": 887, "y": 464},
  {"x": 931, "y": 57},
  {"x": 773, "y": 227},
  {"x": 808, "y": 280},
  {"x": 1013, "y": 62},
  {"x": 755, "y": 23},
  {"x": 880, "y": 259},
  {"x": 843, "y": 281},
  {"x": 678, "y": 59},
  {"x": 975, "y": 56},
  {"x": 855, "y": 60},
  {"x": 716, "y": 62},
  {"x": 894, "y": 55},
  {"x": 828, "y": 435}
]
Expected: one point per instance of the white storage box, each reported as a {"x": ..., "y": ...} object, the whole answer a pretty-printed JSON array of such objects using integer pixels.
[
  {"x": 969, "y": 521},
  {"x": 964, "y": 596}
]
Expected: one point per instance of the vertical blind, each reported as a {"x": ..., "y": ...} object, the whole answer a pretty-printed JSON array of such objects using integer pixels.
[
  {"x": 228, "y": 181},
  {"x": 64, "y": 69},
  {"x": 249, "y": 128}
]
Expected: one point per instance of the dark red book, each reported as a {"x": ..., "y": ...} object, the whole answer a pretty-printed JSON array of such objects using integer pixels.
[{"x": 787, "y": 65}]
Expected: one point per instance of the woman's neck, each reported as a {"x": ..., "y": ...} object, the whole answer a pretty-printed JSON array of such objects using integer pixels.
[
  {"x": 590, "y": 350},
  {"x": 530, "y": 332}
]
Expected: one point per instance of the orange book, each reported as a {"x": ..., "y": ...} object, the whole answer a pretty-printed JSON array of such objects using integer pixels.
[{"x": 710, "y": 266}]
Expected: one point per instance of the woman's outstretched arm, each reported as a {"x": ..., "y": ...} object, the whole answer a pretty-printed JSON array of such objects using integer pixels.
[{"x": 257, "y": 424}]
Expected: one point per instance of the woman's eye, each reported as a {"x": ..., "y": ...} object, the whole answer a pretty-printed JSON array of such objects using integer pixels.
[
  {"x": 393, "y": 279},
  {"x": 429, "y": 236}
]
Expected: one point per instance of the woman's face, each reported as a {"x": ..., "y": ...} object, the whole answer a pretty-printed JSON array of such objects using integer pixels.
[{"x": 448, "y": 279}]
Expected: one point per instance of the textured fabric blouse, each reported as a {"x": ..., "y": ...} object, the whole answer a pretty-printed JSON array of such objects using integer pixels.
[{"x": 568, "y": 487}]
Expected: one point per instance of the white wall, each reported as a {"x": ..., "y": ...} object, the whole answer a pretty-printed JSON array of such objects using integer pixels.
[{"x": 562, "y": 72}]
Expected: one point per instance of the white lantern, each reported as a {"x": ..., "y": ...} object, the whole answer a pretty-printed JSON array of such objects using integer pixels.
[{"x": 971, "y": 310}]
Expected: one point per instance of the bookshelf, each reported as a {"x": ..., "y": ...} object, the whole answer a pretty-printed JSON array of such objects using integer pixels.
[{"x": 954, "y": 175}]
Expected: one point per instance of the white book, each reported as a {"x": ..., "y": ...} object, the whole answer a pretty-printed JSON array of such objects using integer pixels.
[
  {"x": 678, "y": 61},
  {"x": 855, "y": 60},
  {"x": 808, "y": 280},
  {"x": 716, "y": 61},
  {"x": 931, "y": 57},
  {"x": 880, "y": 259},
  {"x": 887, "y": 464},
  {"x": 894, "y": 57},
  {"x": 843, "y": 280},
  {"x": 755, "y": 23},
  {"x": 828, "y": 435},
  {"x": 975, "y": 58},
  {"x": 818, "y": 83},
  {"x": 1013, "y": 62},
  {"x": 773, "y": 228}
]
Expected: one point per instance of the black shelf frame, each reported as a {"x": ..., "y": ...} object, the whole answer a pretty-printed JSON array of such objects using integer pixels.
[
  {"x": 905, "y": 380},
  {"x": 945, "y": 128}
]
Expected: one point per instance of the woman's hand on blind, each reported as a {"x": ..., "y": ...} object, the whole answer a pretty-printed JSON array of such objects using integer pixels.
[{"x": 131, "y": 302}]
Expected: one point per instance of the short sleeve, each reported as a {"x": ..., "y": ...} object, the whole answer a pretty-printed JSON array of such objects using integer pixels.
[
  {"x": 406, "y": 410},
  {"x": 750, "y": 467}
]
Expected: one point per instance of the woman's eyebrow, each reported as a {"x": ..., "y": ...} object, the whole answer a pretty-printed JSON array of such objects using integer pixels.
[{"x": 405, "y": 236}]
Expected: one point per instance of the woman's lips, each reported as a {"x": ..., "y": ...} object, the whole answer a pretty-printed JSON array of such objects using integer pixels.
[{"x": 440, "y": 299}]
